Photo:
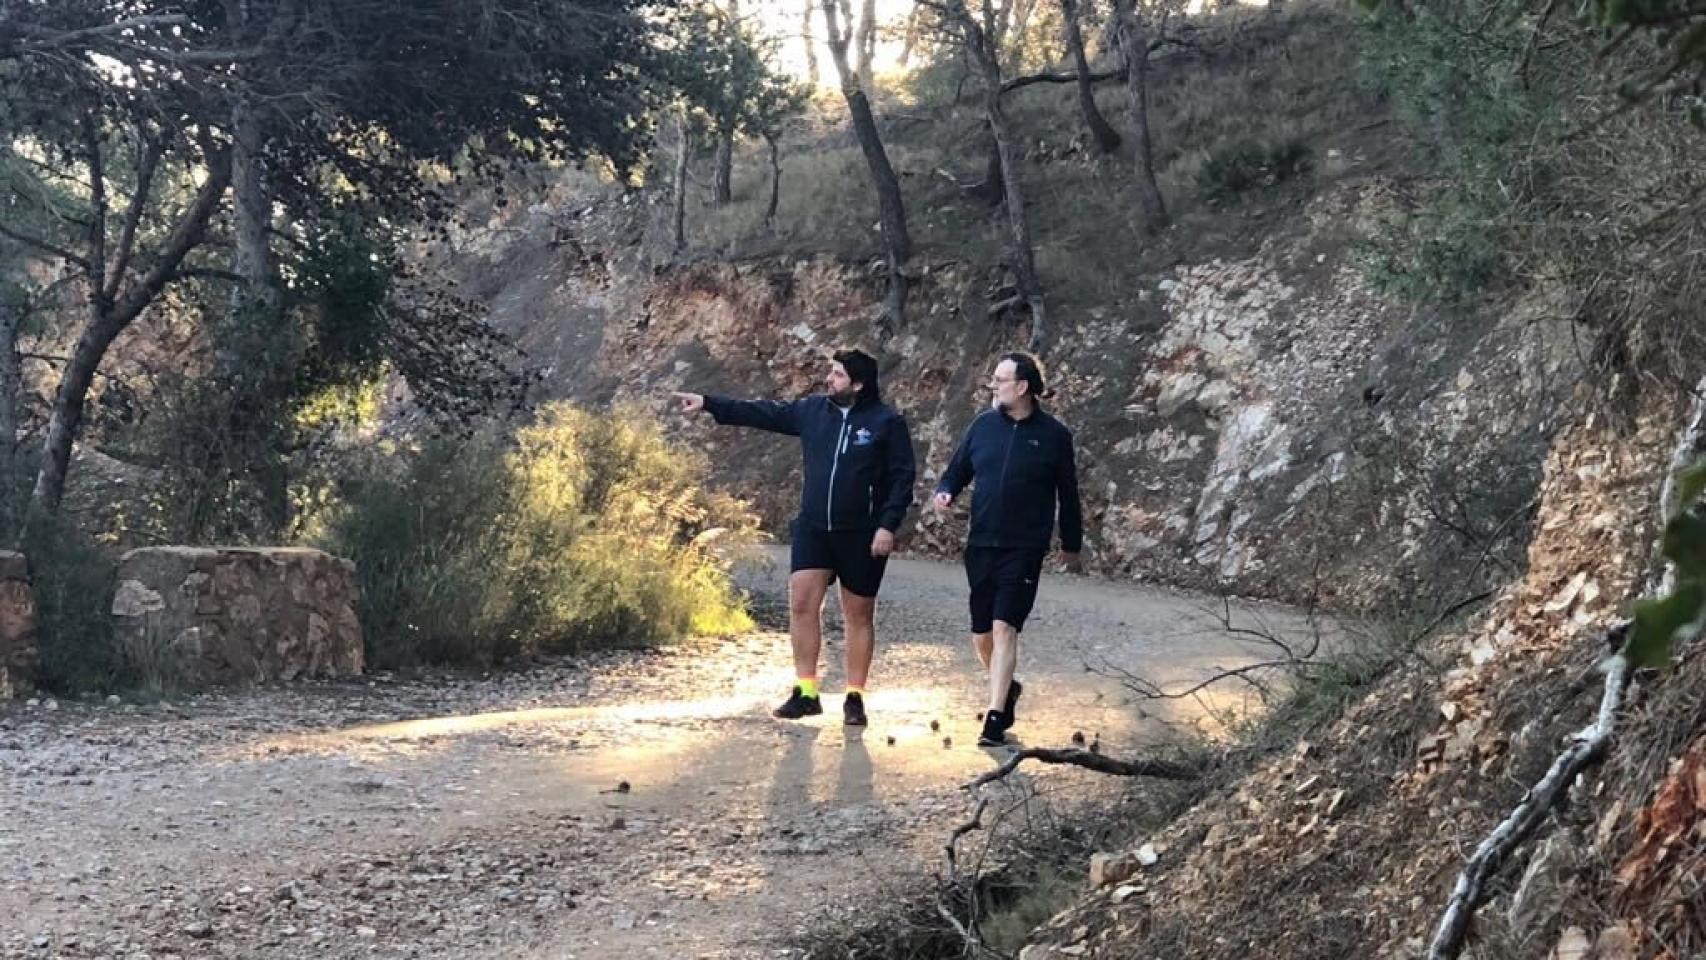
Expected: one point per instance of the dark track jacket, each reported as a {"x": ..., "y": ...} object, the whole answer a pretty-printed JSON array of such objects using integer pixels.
[
  {"x": 1022, "y": 467},
  {"x": 858, "y": 461}
]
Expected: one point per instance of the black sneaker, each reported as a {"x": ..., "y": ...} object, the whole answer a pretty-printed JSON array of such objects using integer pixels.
[
  {"x": 995, "y": 725},
  {"x": 1014, "y": 688},
  {"x": 798, "y": 705},
  {"x": 853, "y": 710}
]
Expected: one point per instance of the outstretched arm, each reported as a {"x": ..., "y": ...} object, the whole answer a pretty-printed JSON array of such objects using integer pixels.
[{"x": 777, "y": 416}]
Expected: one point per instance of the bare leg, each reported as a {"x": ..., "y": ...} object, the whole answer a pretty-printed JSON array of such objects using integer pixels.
[
  {"x": 1004, "y": 656},
  {"x": 984, "y": 644},
  {"x": 858, "y": 615},
  {"x": 806, "y": 590}
]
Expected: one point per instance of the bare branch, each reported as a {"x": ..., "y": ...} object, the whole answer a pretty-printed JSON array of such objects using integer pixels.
[
  {"x": 62, "y": 38},
  {"x": 1586, "y": 747},
  {"x": 1158, "y": 769},
  {"x": 44, "y": 246},
  {"x": 1036, "y": 78},
  {"x": 152, "y": 151},
  {"x": 185, "y": 233}
]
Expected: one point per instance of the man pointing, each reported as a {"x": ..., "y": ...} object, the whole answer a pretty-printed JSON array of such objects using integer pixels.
[{"x": 859, "y": 470}]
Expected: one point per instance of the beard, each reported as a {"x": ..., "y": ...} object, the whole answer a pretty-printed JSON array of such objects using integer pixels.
[{"x": 843, "y": 398}]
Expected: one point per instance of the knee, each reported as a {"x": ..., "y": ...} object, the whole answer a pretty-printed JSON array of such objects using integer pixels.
[
  {"x": 859, "y": 612},
  {"x": 804, "y": 602}
]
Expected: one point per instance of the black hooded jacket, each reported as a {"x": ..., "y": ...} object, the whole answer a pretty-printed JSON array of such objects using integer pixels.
[{"x": 858, "y": 460}]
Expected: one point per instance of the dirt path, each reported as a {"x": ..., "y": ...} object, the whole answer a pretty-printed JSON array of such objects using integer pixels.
[{"x": 479, "y": 816}]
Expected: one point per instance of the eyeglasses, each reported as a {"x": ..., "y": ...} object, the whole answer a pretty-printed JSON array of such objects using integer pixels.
[{"x": 1003, "y": 379}]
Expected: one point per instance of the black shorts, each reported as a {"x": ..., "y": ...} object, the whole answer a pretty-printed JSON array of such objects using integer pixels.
[
  {"x": 1003, "y": 585},
  {"x": 846, "y": 554}
]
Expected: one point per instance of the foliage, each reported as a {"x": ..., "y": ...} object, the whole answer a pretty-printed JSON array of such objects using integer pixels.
[
  {"x": 588, "y": 530},
  {"x": 131, "y": 109},
  {"x": 70, "y": 575},
  {"x": 725, "y": 69},
  {"x": 1462, "y": 96},
  {"x": 1662, "y": 622},
  {"x": 1678, "y": 27},
  {"x": 1248, "y": 165},
  {"x": 236, "y": 444}
]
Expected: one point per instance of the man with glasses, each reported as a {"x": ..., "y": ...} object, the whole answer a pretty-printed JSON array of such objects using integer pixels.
[
  {"x": 859, "y": 470},
  {"x": 1023, "y": 463}
]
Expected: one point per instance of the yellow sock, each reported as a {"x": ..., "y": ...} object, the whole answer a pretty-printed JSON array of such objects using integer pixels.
[
  {"x": 808, "y": 686},
  {"x": 858, "y": 690}
]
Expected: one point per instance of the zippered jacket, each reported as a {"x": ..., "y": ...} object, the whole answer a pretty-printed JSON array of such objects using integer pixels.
[
  {"x": 858, "y": 461},
  {"x": 1022, "y": 468}
]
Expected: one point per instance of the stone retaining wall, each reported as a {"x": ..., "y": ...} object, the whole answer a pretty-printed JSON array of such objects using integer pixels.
[
  {"x": 17, "y": 627},
  {"x": 190, "y": 617}
]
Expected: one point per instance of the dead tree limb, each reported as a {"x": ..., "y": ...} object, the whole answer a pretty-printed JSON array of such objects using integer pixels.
[
  {"x": 952, "y": 847},
  {"x": 1159, "y": 769},
  {"x": 1586, "y": 747}
]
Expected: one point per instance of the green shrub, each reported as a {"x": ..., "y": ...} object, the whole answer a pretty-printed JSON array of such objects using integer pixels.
[
  {"x": 1247, "y": 165},
  {"x": 73, "y": 578},
  {"x": 585, "y": 530}
]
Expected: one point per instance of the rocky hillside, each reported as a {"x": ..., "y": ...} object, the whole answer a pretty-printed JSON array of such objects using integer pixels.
[{"x": 1250, "y": 415}]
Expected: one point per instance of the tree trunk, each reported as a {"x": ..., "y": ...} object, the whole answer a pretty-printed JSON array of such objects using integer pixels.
[
  {"x": 721, "y": 190},
  {"x": 1134, "y": 50},
  {"x": 867, "y": 45},
  {"x": 251, "y": 203},
  {"x": 909, "y": 41},
  {"x": 1106, "y": 139},
  {"x": 897, "y": 243},
  {"x": 11, "y": 386},
  {"x": 775, "y": 181},
  {"x": 809, "y": 36},
  {"x": 251, "y": 214},
  {"x": 107, "y": 319},
  {"x": 683, "y": 148},
  {"x": 1021, "y": 259},
  {"x": 990, "y": 190}
]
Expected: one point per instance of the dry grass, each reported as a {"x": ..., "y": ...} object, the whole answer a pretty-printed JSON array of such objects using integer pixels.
[{"x": 1251, "y": 79}]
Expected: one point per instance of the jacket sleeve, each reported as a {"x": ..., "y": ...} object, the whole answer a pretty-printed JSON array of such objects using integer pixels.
[
  {"x": 1066, "y": 490},
  {"x": 900, "y": 471},
  {"x": 776, "y": 416},
  {"x": 958, "y": 472}
]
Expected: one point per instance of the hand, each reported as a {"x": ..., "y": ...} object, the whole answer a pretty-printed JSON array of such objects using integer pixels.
[
  {"x": 689, "y": 402},
  {"x": 942, "y": 501},
  {"x": 1074, "y": 561},
  {"x": 883, "y": 543}
]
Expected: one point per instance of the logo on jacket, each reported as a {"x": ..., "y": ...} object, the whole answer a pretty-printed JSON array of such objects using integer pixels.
[{"x": 861, "y": 437}]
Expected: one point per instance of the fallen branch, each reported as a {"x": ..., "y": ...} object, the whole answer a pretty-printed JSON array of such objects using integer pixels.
[
  {"x": 1586, "y": 747},
  {"x": 1159, "y": 769},
  {"x": 952, "y": 846}
]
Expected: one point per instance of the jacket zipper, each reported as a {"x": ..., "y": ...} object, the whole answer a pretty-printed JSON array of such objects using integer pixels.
[
  {"x": 1006, "y": 460},
  {"x": 840, "y": 445}
]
